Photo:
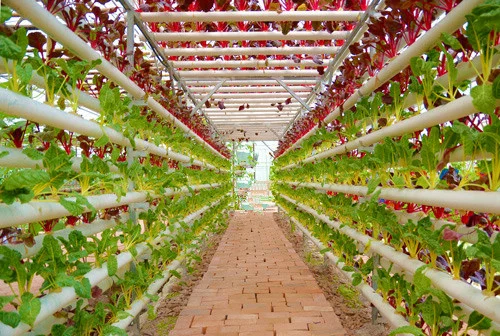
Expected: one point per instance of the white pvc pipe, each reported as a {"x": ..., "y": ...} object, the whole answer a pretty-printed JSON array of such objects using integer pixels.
[
  {"x": 270, "y": 116},
  {"x": 230, "y": 105},
  {"x": 286, "y": 50},
  {"x": 44, "y": 20},
  {"x": 456, "y": 109},
  {"x": 279, "y": 96},
  {"x": 237, "y": 16},
  {"x": 478, "y": 201},
  {"x": 21, "y": 213},
  {"x": 20, "y": 106},
  {"x": 197, "y": 74},
  {"x": 84, "y": 99},
  {"x": 449, "y": 24},
  {"x": 87, "y": 230},
  {"x": 53, "y": 302},
  {"x": 17, "y": 159},
  {"x": 239, "y": 123},
  {"x": 462, "y": 291},
  {"x": 250, "y": 36},
  {"x": 386, "y": 310},
  {"x": 243, "y": 64},
  {"x": 250, "y": 110},
  {"x": 289, "y": 81},
  {"x": 253, "y": 89}
]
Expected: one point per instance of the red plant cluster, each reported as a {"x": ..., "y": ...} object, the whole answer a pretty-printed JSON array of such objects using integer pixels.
[
  {"x": 402, "y": 23},
  {"x": 104, "y": 28}
]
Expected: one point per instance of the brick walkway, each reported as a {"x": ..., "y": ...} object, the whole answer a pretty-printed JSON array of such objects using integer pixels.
[{"x": 257, "y": 284}]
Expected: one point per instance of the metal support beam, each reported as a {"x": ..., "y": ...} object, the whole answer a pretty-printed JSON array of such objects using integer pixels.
[
  {"x": 286, "y": 50},
  {"x": 207, "y": 97},
  {"x": 294, "y": 95},
  {"x": 251, "y": 36}
]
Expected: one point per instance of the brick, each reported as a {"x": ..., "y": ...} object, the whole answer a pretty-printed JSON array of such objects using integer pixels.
[
  {"x": 257, "y": 327},
  {"x": 291, "y": 326},
  {"x": 186, "y": 332},
  {"x": 242, "y": 317},
  {"x": 208, "y": 321}
]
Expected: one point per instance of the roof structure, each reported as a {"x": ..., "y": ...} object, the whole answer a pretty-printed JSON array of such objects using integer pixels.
[{"x": 252, "y": 67}]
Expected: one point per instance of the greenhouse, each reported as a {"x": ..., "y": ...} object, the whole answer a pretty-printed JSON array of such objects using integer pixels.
[{"x": 263, "y": 167}]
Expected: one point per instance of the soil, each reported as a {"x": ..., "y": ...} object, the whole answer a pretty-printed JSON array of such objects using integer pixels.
[
  {"x": 353, "y": 310},
  {"x": 170, "y": 308}
]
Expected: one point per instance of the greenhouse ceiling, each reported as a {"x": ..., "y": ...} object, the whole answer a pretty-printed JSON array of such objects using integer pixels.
[{"x": 252, "y": 68}]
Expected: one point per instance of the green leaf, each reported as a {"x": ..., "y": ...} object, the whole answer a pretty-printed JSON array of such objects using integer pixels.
[
  {"x": 26, "y": 178},
  {"x": 373, "y": 184},
  {"x": 30, "y": 308},
  {"x": 102, "y": 141},
  {"x": 5, "y": 13},
  {"x": 110, "y": 330},
  {"x": 325, "y": 250},
  {"x": 8, "y": 49},
  {"x": 478, "y": 321},
  {"x": 483, "y": 99},
  {"x": 451, "y": 40},
  {"x": 175, "y": 274},
  {"x": 12, "y": 319},
  {"x": 32, "y": 153},
  {"x": 496, "y": 88},
  {"x": 3, "y": 154},
  {"x": 422, "y": 283},
  {"x": 407, "y": 330},
  {"x": 62, "y": 330},
  {"x": 112, "y": 265},
  {"x": 82, "y": 288},
  {"x": 356, "y": 279},
  {"x": 79, "y": 205},
  {"x": 5, "y": 300}
]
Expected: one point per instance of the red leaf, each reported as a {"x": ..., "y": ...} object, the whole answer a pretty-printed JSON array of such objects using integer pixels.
[
  {"x": 241, "y": 108},
  {"x": 205, "y": 5},
  {"x": 221, "y": 104},
  {"x": 207, "y": 104},
  {"x": 288, "y": 101},
  {"x": 321, "y": 70},
  {"x": 280, "y": 107},
  {"x": 451, "y": 235}
]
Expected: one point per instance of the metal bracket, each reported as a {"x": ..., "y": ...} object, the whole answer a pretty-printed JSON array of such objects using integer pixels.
[
  {"x": 207, "y": 97},
  {"x": 294, "y": 95}
]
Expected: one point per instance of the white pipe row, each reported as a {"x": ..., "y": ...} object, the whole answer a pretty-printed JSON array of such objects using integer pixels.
[
  {"x": 84, "y": 99},
  {"x": 252, "y": 89},
  {"x": 386, "y": 310},
  {"x": 197, "y": 74},
  {"x": 20, "y": 106},
  {"x": 17, "y": 159},
  {"x": 250, "y": 36},
  {"x": 54, "y": 302},
  {"x": 278, "y": 97},
  {"x": 231, "y": 104},
  {"x": 21, "y": 213},
  {"x": 238, "y": 16},
  {"x": 455, "y": 109},
  {"x": 44, "y": 20},
  {"x": 285, "y": 50},
  {"x": 478, "y": 201},
  {"x": 449, "y": 24},
  {"x": 243, "y": 64},
  {"x": 254, "y": 81},
  {"x": 468, "y": 294}
]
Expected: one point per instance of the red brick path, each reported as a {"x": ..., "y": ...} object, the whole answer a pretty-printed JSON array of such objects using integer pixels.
[{"x": 257, "y": 284}]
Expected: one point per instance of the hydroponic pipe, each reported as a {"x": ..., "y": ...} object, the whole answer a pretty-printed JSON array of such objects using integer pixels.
[
  {"x": 276, "y": 96},
  {"x": 246, "y": 73},
  {"x": 457, "y": 289},
  {"x": 44, "y": 20},
  {"x": 56, "y": 301},
  {"x": 87, "y": 230},
  {"x": 255, "y": 16},
  {"x": 18, "y": 213},
  {"x": 20, "y": 106},
  {"x": 17, "y": 159},
  {"x": 286, "y": 50},
  {"x": 449, "y": 24},
  {"x": 251, "y": 89},
  {"x": 455, "y": 109},
  {"x": 249, "y": 81},
  {"x": 84, "y": 99},
  {"x": 478, "y": 201},
  {"x": 244, "y": 64},
  {"x": 386, "y": 310},
  {"x": 250, "y": 36}
]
